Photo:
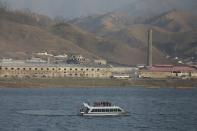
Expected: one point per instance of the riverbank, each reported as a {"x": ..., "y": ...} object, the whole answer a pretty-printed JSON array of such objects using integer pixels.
[{"x": 83, "y": 82}]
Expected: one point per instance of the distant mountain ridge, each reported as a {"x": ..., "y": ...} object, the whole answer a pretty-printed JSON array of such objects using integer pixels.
[
  {"x": 22, "y": 34},
  {"x": 169, "y": 29},
  {"x": 175, "y": 21},
  {"x": 150, "y": 8},
  {"x": 118, "y": 37}
]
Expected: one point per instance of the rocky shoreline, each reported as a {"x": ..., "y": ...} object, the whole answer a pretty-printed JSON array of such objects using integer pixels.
[{"x": 82, "y": 82}]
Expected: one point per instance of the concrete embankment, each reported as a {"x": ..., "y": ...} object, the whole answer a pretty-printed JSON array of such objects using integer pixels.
[{"x": 82, "y": 82}]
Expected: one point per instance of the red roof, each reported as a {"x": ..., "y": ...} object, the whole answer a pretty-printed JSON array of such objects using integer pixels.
[
  {"x": 169, "y": 68},
  {"x": 183, "y": 68}
]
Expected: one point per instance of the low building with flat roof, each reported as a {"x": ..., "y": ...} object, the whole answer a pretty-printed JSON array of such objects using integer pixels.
[
  {"x": 168, "y": 71},
  {"x": 54, "y": 70}
]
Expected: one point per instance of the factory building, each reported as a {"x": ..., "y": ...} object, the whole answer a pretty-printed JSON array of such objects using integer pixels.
[
  {"x": 54, "y": 70},
  {"x": 168, "y": 71}
]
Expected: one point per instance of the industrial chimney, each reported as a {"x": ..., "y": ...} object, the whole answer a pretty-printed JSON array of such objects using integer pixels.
[{"x": 149, "y": 49}]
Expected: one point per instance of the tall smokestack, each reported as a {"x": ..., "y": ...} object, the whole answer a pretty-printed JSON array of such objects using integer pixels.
[{"x": 149, "y": 50}]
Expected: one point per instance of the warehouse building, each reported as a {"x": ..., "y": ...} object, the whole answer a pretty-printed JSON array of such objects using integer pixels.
[
  {"x": 168, "y": 71},
  {"x": 54, "y": 70}
]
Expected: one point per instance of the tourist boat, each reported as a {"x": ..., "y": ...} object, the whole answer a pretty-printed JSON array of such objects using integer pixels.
[{"x": 101, "y": 109}]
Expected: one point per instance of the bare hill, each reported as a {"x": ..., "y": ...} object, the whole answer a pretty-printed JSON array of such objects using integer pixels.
[
  {"x": 150, "y": 8},
  {"x": 24, "y": 33},
  {"x": 112, "y": 49},
  {"x": 175, "y": 21},
  {"x": 18, "y": 40},
  {"x": 174, "y": 33},
  {"x": 109, "y": 22},
  {"x": 21, "y": 34}
]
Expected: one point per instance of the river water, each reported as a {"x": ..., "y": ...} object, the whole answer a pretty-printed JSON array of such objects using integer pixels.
[{"x": 55, "y": 109}]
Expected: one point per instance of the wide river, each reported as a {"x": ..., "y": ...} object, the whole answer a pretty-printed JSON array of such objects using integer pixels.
[{"x": 55, "y": 109}]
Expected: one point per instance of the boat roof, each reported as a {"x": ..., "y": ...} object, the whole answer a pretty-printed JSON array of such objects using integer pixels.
[{"x": 100, "y": 106}]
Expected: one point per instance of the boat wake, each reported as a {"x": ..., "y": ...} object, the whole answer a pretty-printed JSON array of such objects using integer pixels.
[{"x": 45, "y": 112}]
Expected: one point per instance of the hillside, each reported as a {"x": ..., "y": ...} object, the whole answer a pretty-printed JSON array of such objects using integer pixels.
[
  {"x": 174, "y": 32},
  {"x": 115, "y": 36},
  {"x": 150, "y": 8},
  {"x": 22, "y": 34},
  {"x": 113, "y": 50},
  {"x": 175, "y": 21},
  {"x": 109, "y": 22}
]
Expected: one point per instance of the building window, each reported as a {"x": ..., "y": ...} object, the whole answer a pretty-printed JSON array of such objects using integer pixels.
[
  {"x": 92, "y": 69},
  {"x": 81, "y": 69},
  {"x": 41, "y": 68},
  {"x": 29, "y": 68},
  {"x": 0, "y": 68},
  {"x": 70, "y": 68},
  {"x": 76, "y": 69},
  {"x": 23, "y": 68},
  {"x": 59, "y": 68},
  {"x": 87, "y": 69},
  {"x": 53, "y": 69},
  {"x": 36, "y": 69},
  {"x": 98, "y": 69},
  {"x": 18, "y": 68},
  {"x": 65, "y": 69},
  {"x": 6, "y": 68},
  {"x": 12, "y": 68},
  {"x": 47, "y": 68}
]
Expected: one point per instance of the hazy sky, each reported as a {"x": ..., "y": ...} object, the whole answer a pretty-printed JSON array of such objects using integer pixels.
[{"x": 69, "y": 8}]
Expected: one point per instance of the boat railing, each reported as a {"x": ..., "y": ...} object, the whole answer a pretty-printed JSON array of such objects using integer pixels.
[{"x": 102, "y": 104}]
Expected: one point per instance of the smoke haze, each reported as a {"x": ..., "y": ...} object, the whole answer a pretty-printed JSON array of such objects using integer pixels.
[
  {"x": 76, "y": 8},
  {"x": 68, "y": 8}
]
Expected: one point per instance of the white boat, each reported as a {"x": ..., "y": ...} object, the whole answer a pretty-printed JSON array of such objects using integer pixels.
[{"x": 101, "y": 109}]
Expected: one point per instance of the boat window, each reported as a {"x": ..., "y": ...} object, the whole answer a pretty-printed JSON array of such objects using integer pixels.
[
  {"x": 93, "y": 110},
  {"x": 103, "y": 110},
  {"x": 111, "y": 110},
  {"x": 119, "y": 110},
  {"x": 115, "y": 110},
  {"x": 107, "y": 110}
]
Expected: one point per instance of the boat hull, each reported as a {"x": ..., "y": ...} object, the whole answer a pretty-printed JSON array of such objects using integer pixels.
[{"x": 103, "y": 114}]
